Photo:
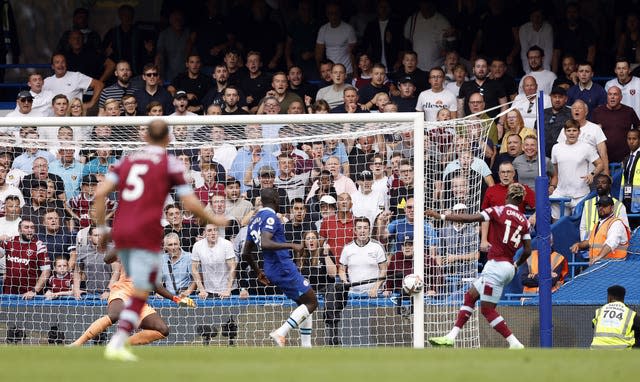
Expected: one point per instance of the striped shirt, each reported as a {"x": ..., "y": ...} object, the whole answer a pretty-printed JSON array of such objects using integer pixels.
[
  {"x": 294, "y": 186},
  {"x": 115, "y": 91}
]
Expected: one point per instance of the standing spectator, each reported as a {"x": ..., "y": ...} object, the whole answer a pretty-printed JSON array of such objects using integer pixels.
[
  {"x": 279, "y": 90},
  {"x": 176, "y": 223},
  {"x": 41, "y": 98},
  {"x": 79, "y": 207},
  {"x": 9, "y": 227},
  {"x": 24, "y": 109},
  {"x": 255, "y": 83},
  {"x": 298, "y": 222},
  {"x": 213, "y": 265},
  {"x": 609, "y": 238},
  {"x": 615, "y": 119},
  {"x": 301, "y": 41},
  {"x": 122, "y": 87},
  {"x": 629, "y": 85},
  {"x": 620, "y": 331},
  {"x": 235, "y": 205},
  {"x": 498, "y": 72},
  {"x": 28, "y": 266},
  {"x": 529, "y": 273},
  {"x": 71, "y": 84},
  {"x": 537, "y": 32},
  {"x": 406, "y": 100},
  {"x": 629, "y": 38},
  {"x": 336, "y": 40},
  {"x": 433, "y": 100},
  {"x": 366, "y": 201},
  {"x": 192, "y": 82},
  {"x": 591, "y": 93},
  {"x": 409, "y": 68},
  {"x": 426, "y": 31},
  {"x": 338, "y": 229},
  {"x": 569, "y": 75},
  {"x": 297, "y": 83},
  {"x": 128, "y": 42},
  {"x": 102, "y": 162},
  {"x": 491, "y": 91},
  {"x": 350, "y": 104},
  {"x": 572, "y": 161},
  {"x": 294, "y": 184},
  {"x": 527, "y": 166},
  {"x": 398, "y": 196},
  {"x": 544, "y": 77},
  {"x": 363, "y": 259},
  {"x": 172, "y": 46},
  {"x": 497, "y": 192},
  {"x": 220, "y": 82},
  {"x": 575, "y": 37},
  {"x": 210, "y": 186},
  {"x": 555, "y": 117},
  {"x": 590, "y": 133},
  {"x": 86, "y": 60},
  {"x": 37, "y": 204},
  {"x": 181, "y": 104},
  {"x": 176, "y": 267},
  {"x": 514, "y": 148},
  {"x": 401, "y": 230},
  {"x": 458, "y": 243},
  {"x": 212, "y": 36},
  {"x": 325, "y": 72},
  {"x": 334, "y": 93},
  {"x": 40, "y": 172},
  {"x": 8, "y": 190},
  {"x": 153, "y": 91},
  {"x": 631, "y": 172},
  {"x": 266, "y": 179},
  {"x": 498, "y": 34},
  {"x": 383, "y": 38},
  {"x": 341, "y": 182},
  {"x": 378, "y": 84}
]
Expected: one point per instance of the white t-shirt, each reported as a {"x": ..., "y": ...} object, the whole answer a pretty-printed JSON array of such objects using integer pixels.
[
  {"x": 630, "y": 92},
  {"x": 431, "y": 102},
  {"x": 14, "y": 130},
  {"x": 544, "y": 79},
  {"x": 225, "y": 154},
  {"x": 590, "y": 134},
  {"x": 362, "y": 263},
  {"x": 72, "y": 84},
  {"x": 528, "y": 110},
  {"x": 574, "y": 162},
  {"x": 542, "y": 38},
  {"x": 336, "y": 41},
  {"x": 426, "y": 36},
  {"x": 368, "y": 206},
  {"x": 329, "y": 94},
  {"x": 9, "y": 228},
  {"x": 213, "y": 263}
]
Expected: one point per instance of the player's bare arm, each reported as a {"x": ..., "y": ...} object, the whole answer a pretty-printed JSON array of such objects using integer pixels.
[
  {"x": 526, "y": 252},
  {"x": 191, "y": 203},
  {"x": 100, "y": 204},
  {"x": 461, "y": 218}
]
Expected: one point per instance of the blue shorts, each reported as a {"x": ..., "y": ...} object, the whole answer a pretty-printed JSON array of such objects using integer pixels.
[
  {"x": 288, "y": 279},
  {"x": 143, "y": 267}
]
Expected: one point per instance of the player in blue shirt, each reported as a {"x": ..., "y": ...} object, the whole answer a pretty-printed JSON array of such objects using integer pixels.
[{"x": 266, "y": 233}]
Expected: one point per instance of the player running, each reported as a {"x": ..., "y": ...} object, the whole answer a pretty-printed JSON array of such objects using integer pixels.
[
  {"x": 143, "y": 179},
  {"x": 266, "y": 233},
  {"x": 509, "y": 230},
  {"x": 153, "y": 326}
]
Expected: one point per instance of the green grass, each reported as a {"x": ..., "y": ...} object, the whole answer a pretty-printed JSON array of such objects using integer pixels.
[{"x": 189, "y": 364}]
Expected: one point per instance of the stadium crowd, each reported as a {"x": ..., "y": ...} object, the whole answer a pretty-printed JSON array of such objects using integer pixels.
[{"x": 349, "y": 202}]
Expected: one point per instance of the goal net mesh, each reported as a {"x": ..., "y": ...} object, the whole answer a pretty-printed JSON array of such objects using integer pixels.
[{"x": 326, "y": 173}]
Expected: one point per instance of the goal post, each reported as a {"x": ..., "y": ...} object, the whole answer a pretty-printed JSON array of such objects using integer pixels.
[{"x": 362, "y": 320}]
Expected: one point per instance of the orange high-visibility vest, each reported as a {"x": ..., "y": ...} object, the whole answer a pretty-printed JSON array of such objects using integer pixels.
[
  {"x": 598, "y": 236},
  {"x": 556, "y": 259}
]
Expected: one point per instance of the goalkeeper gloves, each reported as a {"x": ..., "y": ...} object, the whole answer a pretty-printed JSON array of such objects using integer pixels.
[{"x": 184, "y": 301}]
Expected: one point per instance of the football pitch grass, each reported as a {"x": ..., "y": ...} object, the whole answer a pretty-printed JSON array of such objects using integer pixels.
[{"x": 240, "y": 364}]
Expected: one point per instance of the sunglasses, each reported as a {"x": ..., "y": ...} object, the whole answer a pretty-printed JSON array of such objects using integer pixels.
[
  {"x": 152, "y": 74},
  {"x": 29, "y": 100}
]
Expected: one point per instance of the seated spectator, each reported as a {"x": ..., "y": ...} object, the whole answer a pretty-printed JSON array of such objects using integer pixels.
[
  {"x": 28, "y": 265},
  {"x": 152, "y": 91},
  {"x": 315, "y": 261},
  {"x": 496, "y": 194},
  {"x": 467, "y": 166},
  {"x": 31, "y": 152},
  {"x": 213, "y": 265},
  {"x": 350, "y": 102},
  {"x": 60, "y": 243},
  {"x": 568, "y": 76},
  {"x": 458, "y": 250},
  {"x": 334, "y": 147},
  {"x": 250, "y": 158},
  {"x": 572, "y": 161},
  {"x": 80, "y": 22},
  {"x": 294, "y": 184},
  {"x": 333, "y": 94},
  {"x": 538, "y": 68},
  {"x": 254, "y": 82},
  {"x": 514, "y": 149},
  {"x": 591, "y": 93},
  {"x": 41, "y": 173},
  {"x": 61, "y": 282},
  {"x": 9, "y": 227},
  {"x": 104, "y": 159},
  {"x": 398, "y": 196},
  {"x": 176, "y": 223},
  {"x": 193, "y": 83},
  {"x": 297, "y": 83},
  {"x": 280, "y": 91},
  {"x": 555, "y": 117},
  {"x": 217, "y": 206},
  {"x": 459, "y": 77},
  {"x": 266, "y": 179},
  {"x": 96, "y": 275},
  {"x": 514, "y": 125},
  {"x": 122, "y": 87},
  {"x": 362, "y": 74},
  {"x": 231, "y": 101},
  {"x": 526, "y": 164},
  {"x": 129, "y": 105},
  {"x": 361, "y": 152},
  {"x": 529, "y": 272},
  {"x": 7, "y": 190},
  {"x": 437, "y": 97},
  {"x": 609, "y": 238},
  {"x": 323, "y": 203},
  {"x": 400, "y": 230},
  {"x": 406, "y": 98},
  {"x": 176, "y": 267},
  {"x": 37, "y": 204},
  {"x": 378, "y": 84},
  {"x": 41, "y": 99},
  {"x": 363, "y": 259},
  {"x": 69, "y": 169},
  {"x": 589, "y": 216},
  {"x": 410, "y": 69},
  {"x": 338, "y": 229},
  {"x": 181, "y": 104}
]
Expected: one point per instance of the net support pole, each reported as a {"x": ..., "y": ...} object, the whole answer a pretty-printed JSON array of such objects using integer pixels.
[
  {"x": 418, "y": 228},
  {"x": 543, "y": 227}
]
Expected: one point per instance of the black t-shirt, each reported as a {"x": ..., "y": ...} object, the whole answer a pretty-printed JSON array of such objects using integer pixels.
[
  {"x": 405, "y": 105},
  {"x": 491, "y": 91},
  {"x": 198, "y": 86},
  {"x": 420, "y": 79}
]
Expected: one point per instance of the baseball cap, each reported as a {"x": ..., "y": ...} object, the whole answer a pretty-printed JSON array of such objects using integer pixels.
[
  {"x": 365, "y": 175},
  {"x": 267, "y": 171},
  {"x": 24, "y": 94},
  {"x": 459, "y": 206},
  {"x": 605, "y": 201},
  {"x": 89, "y": 179},
  {"x": 328, "y": 199},
  {"x": 180, "y": 94},
  {"x": 559, "y": 90},
  {"x": 407, "y": 79}
]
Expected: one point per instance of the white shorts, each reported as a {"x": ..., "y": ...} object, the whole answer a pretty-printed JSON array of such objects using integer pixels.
[
  {"x": 495, "y": 275},
  {"x": 142, "y": 266}
]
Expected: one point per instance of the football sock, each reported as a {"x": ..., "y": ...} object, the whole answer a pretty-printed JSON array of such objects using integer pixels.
[
  {"x": 294, "y": 320},
  {"x": 512, "y": 340},
  {"x": 144, "y": 337},
  {"x": 127, "y": 322},
  {"x": 306, "y": 328},
  {"x": 98, "y": 326},
  {"x": 496, "y": 321},
  {"x": 466, "y": 310}
]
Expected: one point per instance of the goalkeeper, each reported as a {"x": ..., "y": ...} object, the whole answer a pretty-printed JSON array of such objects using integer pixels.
[{"x": 153, "y": 326}]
